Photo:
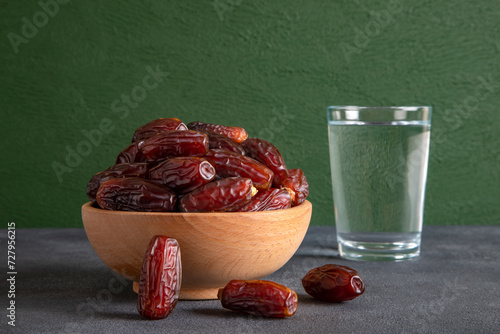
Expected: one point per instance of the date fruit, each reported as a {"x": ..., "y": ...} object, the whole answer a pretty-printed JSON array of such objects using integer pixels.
[
  {"x": 229, "y": 164},
  {"x": 183, "y": 174},
  {"x": 158, "y": 125},
  {"x": 131, "y": 153},
  {"x": 235, "y": 133},
  {"x": 265, "y": 152},
  {"x": 228, "y": 194},
  {"x": 333, "y": 283},
  {"x": 171, "y": 144},
  {"x": 216, "y": 140},
  {"x": 272, "y": 199},
  {"x": 138, "y": 169},
  {"x": 160, "y": 280},
  {"x": 297, "y": 186},
  {"x": 259, "y": 297},
  {"x": 181, "y": 161},
  {"x": 135, "y": 194}
]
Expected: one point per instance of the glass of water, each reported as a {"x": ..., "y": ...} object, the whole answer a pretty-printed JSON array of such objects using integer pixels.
[{"x": 378, "y": 159}]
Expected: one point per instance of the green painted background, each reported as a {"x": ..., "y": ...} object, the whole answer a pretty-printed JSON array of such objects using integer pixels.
[{"x": 67, "y": 69}]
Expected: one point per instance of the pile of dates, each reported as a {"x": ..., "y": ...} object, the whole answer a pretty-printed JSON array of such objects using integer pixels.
[{"x": 199, "y": 167}]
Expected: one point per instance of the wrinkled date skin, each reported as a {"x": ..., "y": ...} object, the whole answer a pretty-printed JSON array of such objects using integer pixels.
[
  {"x": 296, "y": 183},
  {"x": 158, "y": 125},
  {"x": 272, "y": 199},
  {"x": 183, "y": 174},
  {"x": 235, "y": 133},
  {"x": 160, "y": 280},
  {"x": 333, "y": 283},
  {"x": 265, "y": 152},
  {"x": 228, "y": 164},
  {"x": 138, "y": 169},
  {"x": 171, "y": 144},
  {"x": 181, "y": 160},
  {"x": 228, "y": 194},
  {"x": 259, "y": 297},
  {"x": 135, "y": 194},
  {"x": 131, "y": 153},
  {"x": 216, "y": 140}
]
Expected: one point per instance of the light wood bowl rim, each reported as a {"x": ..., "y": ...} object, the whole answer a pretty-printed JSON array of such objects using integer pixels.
[{"x": 88, "y": 206}]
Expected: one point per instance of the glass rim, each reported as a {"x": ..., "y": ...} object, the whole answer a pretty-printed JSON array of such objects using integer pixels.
[
  {"x": 378, "y": 115},
  {"x": 352, "y": 107}
]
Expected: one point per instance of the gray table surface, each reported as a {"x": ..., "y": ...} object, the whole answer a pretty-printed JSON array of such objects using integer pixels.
[{"x": 454, "y": 287}]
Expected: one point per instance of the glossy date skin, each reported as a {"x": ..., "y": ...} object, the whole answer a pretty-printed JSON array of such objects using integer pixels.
[
  {"x": 235, "y": 133},
  {"x": 131, "y": 153},
  {"x": 183, "y": 174},
  {"x": 265, "y": 152},
  {"x": 227, "y": 194},
  {"x": 229, "y": 164},
  {"x": 158, "y": 125},
  {"x": 226, "y": 149},
  {"x": 272, "y": 199},
  {"x": 259, "y": 297},
  {"x": 138, "y": 169},
  {"x": 135, "y": 194},
  {"x": 216, "y": 140},
  {"x": 296, "y": 183},
  {"x": 177, "y": 143},
  {"x": 333, "y": 283},
  {"x": 160, "y": 280}
]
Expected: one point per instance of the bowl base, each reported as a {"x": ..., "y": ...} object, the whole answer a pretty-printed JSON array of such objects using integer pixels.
[{"x": 190, "y": 294}]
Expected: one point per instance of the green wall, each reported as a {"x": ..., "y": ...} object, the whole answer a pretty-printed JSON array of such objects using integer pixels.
[{"x": 74, "y": 69}]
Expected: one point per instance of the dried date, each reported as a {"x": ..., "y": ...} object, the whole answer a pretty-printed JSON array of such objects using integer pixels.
[
  {"x": 183, "y": 174},
  {"x": 297, "y": 185},
  {"x": 265, "y": 152},
  {"x": 333, "y": 283},
  {"x": 138, "y": 169},
  {"x": 259, "y": 297},
  {"x": 135, "y": 194},
  {"x": 228, "y": 194},
  {"x": 272, "y": 199},
  {"x": 229, "y": 164},
  {"x": 160, "y": 280},
  {"x": 130, "y": 154},
  {"x": 177, "y": 143},
  {"x": 158, "y": 125},
  {"x": 216, "y": 140},
  {"x": 235, "y": 133}
]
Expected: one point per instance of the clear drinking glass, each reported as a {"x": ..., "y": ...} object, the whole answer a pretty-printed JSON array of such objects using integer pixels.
[{"x": 378, "y": 159}]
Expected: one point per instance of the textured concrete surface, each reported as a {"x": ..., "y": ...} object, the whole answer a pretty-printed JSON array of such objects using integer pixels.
[
  {"x": 63, "y": 287},
  {"x": 76, "y": 81}
]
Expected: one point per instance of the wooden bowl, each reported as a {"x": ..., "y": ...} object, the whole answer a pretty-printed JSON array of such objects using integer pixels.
[{"x": 215, "y": 247}]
